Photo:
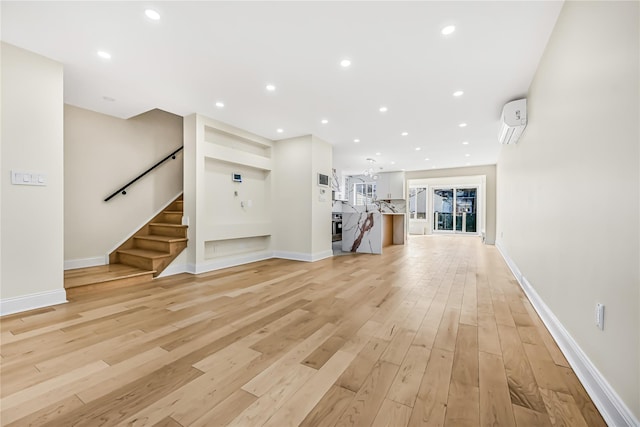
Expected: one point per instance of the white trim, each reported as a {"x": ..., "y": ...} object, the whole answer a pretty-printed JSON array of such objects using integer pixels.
[
  {"x": 322, "y": 255},
  {"x": 174, "y": 269},
  {"x": 611, "y": 406},
  {"x": 294, "y": 256},
  {"x": 32, "y": 301},
  {"x": 233, "y": 261},
  {"x": 303, "y": 256},
  {"x": 70, "y": 264},
  {"x": 226, "y": 262}
]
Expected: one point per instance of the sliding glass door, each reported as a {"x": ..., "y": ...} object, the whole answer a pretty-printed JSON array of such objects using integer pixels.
[
  {"x": 466, "y": 209},
  {"x": 443, "y": 209},
  {"x": 455, "y": 210}
]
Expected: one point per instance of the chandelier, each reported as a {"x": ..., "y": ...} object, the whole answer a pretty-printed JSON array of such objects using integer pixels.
[{"x": 370, "y": 172}]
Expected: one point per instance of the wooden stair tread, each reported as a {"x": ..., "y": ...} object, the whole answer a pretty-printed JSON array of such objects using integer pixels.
[
  {"x": 145, "y": 253},
  {"x": 172, "y": 212},
  {"x": 159, "y": 238},
  {"x": 101, "y": 274}
]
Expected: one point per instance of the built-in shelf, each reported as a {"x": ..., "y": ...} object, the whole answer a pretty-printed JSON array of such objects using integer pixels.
[
  {"x": 229, "y": 155},
  {"x": 220, "y": 138}
]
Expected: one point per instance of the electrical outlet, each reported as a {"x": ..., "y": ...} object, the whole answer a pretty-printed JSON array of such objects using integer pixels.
[{"x": 600, "y": 316}]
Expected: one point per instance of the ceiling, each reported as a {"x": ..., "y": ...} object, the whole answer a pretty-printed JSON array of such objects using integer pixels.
[{"x": 200, "y": 53}]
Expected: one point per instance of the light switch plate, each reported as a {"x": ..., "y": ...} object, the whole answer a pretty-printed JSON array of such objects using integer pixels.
[
  {"x": 19, "y": 177},
  {"x": 600, "y": 316}
]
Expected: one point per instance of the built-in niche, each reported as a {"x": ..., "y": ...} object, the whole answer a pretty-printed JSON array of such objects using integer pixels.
[
  {"x": 230, "y": 202},
  {"x": 228, "y": 193}
]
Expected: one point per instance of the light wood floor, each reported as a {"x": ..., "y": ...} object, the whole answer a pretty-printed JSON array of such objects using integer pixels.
[{"x": 436, "y": 332}]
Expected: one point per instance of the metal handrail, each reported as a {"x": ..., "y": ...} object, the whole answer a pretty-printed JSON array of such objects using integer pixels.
[{"x": 122, "y": 190}]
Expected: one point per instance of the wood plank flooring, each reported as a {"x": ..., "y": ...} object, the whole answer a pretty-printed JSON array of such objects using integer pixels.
[{"x": 435, "y": 332}]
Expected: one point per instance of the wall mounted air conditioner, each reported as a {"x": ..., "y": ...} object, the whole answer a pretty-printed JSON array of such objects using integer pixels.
[{"x": 513, "y": 121}]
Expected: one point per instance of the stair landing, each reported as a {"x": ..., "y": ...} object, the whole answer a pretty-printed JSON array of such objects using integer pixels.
[{"x": 112, "y": 276}]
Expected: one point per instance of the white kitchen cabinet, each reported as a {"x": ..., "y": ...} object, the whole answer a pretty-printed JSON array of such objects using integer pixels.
[{"x": 390, "y": 186}]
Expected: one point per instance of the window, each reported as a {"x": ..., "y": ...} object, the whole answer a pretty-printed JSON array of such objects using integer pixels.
[
  {"x": 418, "y": 203},
  {"x": 364, "y": 193}
]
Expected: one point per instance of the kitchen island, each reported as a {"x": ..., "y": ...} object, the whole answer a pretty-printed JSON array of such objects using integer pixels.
[{"x": 367, "y": 229}]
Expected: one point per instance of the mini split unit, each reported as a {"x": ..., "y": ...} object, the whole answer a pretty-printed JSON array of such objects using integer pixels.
[{"x": 513, "y": 121}]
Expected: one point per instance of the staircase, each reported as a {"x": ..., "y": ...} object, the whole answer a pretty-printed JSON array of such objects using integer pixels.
[{"x": 139, "y": 259}]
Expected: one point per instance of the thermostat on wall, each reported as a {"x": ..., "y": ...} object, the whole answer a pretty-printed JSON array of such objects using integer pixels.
[
  {"x": 323, "y": 180},
  {"x": 236, "y": 177}
]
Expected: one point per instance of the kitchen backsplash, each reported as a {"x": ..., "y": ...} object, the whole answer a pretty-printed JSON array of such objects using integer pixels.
[{"x": 382, "y": 206}]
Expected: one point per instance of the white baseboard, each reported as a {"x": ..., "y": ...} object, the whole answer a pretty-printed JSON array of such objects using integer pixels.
[
  {"x": 226, "y": 262},
  {"x": 174, "y": 269},
  {"x": 293, "y": 256},
  {"x": 233, "y": 261},
  {"x": 32, "y": 301},
  {"x": 303, "y": 256},
  {"x": 70, "y": 264},
  {"x": 614, "y": 411},
  {"x": 322, "y": 255}
]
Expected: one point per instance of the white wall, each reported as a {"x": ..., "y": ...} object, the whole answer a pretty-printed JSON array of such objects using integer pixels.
[
  {"x": 293, "y": 196},
  {"x": 193, "y": 170},
  {"x": 302, "y": 215},
  {"x": 32, "y": 216},
  {"x": 452, "y": 176},
  {"x": 582, "y": 146},
  {"x": 102, "y": 153},
  {"x": 321, "y": 155}
]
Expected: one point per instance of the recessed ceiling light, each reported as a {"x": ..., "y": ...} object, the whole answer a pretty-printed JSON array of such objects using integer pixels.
[
  {"x": 403, "y": 170},
  {"x": 279, "y": 130},
  {"x": 418, "y": 148},
  {"x": 465, "y": 142},
  {"x": 467, "y": 155},
  {"x": 345, "y": 63},
  {"x": 324, "y": 121},
  {"x": 404, "y": 133},
  {"x": 104, "y": 55},
  {"x": 458, "y": 93},
  {"x": 426, "y": 158},
  {"x": 270, "y": 87},
  {"x": 356, "y": 140},
  {"x": 448, "y": 30},
  {"x": 152, "y": 14},
  {"x": 378, "y": 154},
  {"x": 220, "y": 104},
  {"x": 462, "y": 125},
  {"x": 393, "y": 163},
  {"x": 383, "y": 109}
]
